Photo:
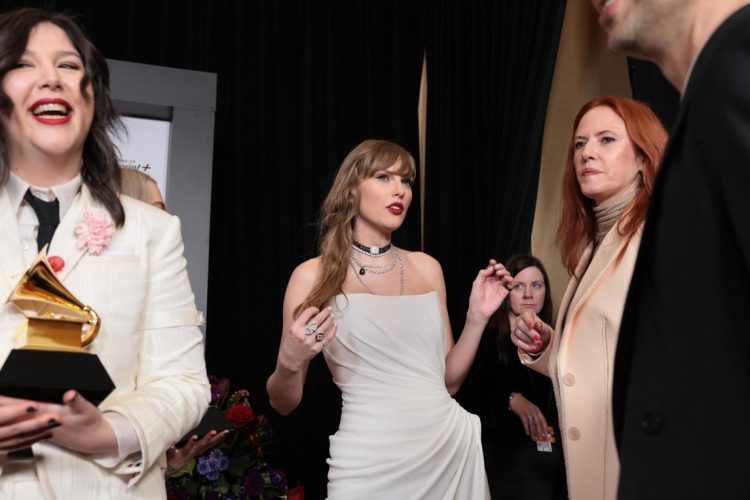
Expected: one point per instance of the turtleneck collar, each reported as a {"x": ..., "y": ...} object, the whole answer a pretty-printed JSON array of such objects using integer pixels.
[{"x": 609, "y": 211}]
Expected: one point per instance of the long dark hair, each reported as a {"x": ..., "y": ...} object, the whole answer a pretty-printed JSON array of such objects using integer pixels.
[
  {"x": 500, "y": 321},
  {"x": 100, "y": 170}
]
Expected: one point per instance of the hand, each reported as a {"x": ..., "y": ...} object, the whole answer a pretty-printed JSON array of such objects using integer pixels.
[
  {"x": 23, "y": 424},
  {"x": 531, "y": 417},
  {"x": 303, "y": 341},
  {"x": 83, "y": 428},
  {"x": 530, "y": 333},
  {"x": 488, "y": 291},
  {"x": 178, "y": 457}
]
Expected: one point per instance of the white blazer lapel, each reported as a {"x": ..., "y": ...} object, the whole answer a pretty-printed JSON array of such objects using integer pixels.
[
  {"x": 65, "y": 243},
  {"x": 11, "y": 258}
]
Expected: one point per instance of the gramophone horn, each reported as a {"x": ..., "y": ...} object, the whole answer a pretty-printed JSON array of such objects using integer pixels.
[{"x": 41, "y": 291}]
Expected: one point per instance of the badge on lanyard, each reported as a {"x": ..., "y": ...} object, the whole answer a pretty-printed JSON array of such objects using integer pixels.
[{"x": 546, "y": 445}]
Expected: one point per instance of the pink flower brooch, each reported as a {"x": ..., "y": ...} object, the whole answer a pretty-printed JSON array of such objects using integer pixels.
[{"x": 94, "y": 231}]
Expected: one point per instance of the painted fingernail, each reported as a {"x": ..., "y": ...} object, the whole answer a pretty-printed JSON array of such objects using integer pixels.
[
  {"x": 30, "y": 409},
  {"x": 53, "y": 423}
]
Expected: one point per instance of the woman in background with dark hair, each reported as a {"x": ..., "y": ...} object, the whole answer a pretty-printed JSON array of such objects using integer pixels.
[
  {"x": 59, "y": 190},
  {"x": 615, "y": 150},
  {"x": 523, "y": 458}
]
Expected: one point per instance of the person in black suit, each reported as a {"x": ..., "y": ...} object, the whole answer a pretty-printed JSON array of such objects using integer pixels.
[{"x": 681, "y": 396}]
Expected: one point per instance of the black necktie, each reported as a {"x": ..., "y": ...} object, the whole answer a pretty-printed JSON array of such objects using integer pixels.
[{"x": 48, "y": 213}]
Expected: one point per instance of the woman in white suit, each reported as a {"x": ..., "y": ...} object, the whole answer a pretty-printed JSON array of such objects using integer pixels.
[
  {"x": 616, "y": 148},
  {"x": 118, "y": 255}
]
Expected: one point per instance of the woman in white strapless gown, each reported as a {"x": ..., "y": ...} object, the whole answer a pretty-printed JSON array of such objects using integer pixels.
[{"x": 379, "y": 312}]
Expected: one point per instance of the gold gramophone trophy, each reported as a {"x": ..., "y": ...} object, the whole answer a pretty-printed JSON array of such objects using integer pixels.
[{"x": 50, "y": 357}]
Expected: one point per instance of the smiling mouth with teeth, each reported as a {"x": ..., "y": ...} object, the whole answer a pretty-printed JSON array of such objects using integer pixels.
[{"x": 51, "y": 110}]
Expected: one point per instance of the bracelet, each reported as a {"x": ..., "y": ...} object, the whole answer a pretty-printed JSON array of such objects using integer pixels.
[
  {"x": 510, "y": 398},
  {"x": 534, "y": 355}
]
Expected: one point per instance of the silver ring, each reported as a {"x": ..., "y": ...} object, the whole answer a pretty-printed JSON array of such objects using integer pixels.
[
  {"x": 325, "y": 344},
  {"x": 311, "y": 328},
  {"x": 319, "y": 336},
  {"x": 530, "y": 417}
]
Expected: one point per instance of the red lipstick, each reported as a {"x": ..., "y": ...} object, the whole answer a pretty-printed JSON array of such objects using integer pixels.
[
  {"x": 52, "y": 111},
  {"x": 396, "y": 208}
]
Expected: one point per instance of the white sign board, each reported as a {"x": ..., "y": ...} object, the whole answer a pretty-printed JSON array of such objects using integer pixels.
[{"x": 145, "y": 147}]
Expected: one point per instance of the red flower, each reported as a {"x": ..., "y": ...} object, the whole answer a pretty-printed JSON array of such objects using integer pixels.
[{"x": 240, "y": 415}]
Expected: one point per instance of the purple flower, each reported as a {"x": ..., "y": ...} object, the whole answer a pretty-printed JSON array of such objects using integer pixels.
[
  {"x": 254, "y": 483},
  {"x": 215, "y": 393},
  {"x": 277, "y": 479},
  {"x": 211, "y": 466}
]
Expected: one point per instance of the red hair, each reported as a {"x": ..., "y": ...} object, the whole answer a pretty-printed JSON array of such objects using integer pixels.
[{"x": 578, "y": 224}]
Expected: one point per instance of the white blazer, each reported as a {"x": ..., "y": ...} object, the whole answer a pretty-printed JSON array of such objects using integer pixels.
[{"x": 149, "y": 342}]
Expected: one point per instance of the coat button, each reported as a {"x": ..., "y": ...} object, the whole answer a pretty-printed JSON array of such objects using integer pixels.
[
  {"x": 569, "y": 379},
  {"x": 651, "y": 422},
  {"x": 574, "y": 433},
  {"x": 24, "y": 246}
]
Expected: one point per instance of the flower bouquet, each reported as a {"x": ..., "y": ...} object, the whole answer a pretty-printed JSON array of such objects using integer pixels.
[{"x": 236, "y": 468}]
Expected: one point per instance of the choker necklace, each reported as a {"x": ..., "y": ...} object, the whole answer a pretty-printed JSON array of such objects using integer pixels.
[{"x": 372, "y": 251}]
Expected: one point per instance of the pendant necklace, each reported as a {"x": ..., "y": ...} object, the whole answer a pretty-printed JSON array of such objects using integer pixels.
[
  {"x": 370, "y": 268},
  {"x": 366, "y": 268}
]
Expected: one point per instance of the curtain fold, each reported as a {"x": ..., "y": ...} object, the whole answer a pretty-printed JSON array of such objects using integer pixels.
[{"x": 489, "y": 70}]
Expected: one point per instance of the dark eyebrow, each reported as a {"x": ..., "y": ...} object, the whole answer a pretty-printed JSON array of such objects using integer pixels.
[{"x": 58, "y": 54}]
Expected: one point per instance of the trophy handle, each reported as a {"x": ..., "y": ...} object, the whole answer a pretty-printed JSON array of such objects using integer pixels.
[{"x": 94, "y": 325}]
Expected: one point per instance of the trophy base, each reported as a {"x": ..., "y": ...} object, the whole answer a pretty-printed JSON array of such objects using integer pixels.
[{"x": 46, "y": 375}]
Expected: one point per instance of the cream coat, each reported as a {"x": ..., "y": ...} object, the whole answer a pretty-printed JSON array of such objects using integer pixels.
[
  {"x": 149, "y": 342},
  {"x": 579, "y": 361}
]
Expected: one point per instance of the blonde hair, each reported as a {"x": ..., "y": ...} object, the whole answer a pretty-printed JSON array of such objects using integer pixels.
[
  {"x": 135, "y": 184},
  {"x": 340, "y": 208}
]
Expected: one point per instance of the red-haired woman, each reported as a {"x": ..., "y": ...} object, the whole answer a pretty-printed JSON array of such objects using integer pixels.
[{"x": 616, "y": 148}]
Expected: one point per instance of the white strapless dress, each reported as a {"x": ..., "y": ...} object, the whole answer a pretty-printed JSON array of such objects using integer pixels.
[{"x": 402, "y": 436}]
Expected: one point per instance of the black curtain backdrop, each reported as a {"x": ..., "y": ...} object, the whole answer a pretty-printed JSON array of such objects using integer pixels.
[
  {"x": 489, "y": 71},
  {"x": 649, "y": 85}
]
